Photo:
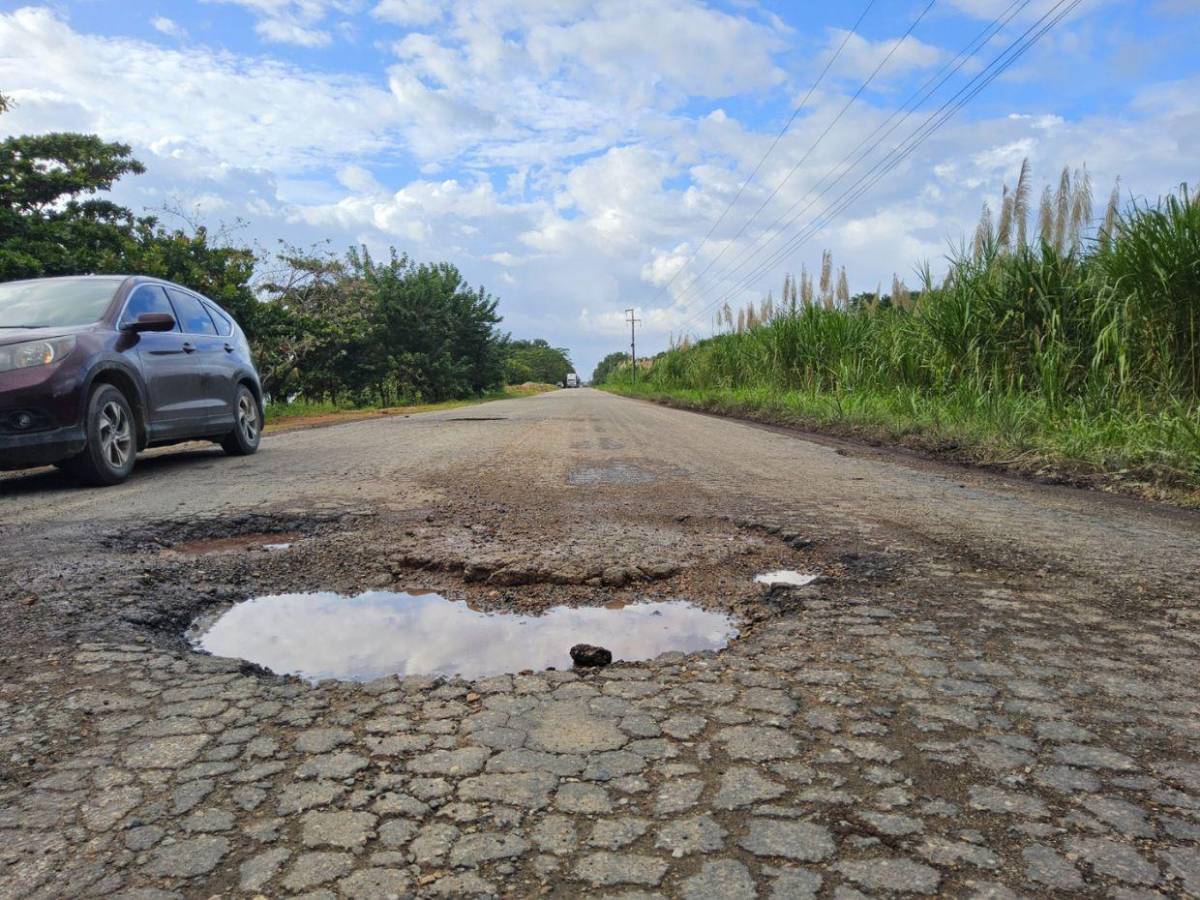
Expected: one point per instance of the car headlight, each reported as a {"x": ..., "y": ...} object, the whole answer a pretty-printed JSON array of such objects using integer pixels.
[{"x": 35, "y": 353}]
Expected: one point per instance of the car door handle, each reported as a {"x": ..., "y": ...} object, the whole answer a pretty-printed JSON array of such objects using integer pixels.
[
  {"x": 189, "y": 347},
  {"x": 229, "y": 348}
]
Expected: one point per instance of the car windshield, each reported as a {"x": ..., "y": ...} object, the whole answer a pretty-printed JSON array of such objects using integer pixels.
[{"x": 55, "y": 302}]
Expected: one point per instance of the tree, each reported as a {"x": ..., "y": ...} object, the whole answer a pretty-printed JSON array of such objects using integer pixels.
[
  {"x": 536, "y": 361},
  {"x": 361, "y": 329},
  {"x": 45, "y": 228},
  {"x": 607, "y": 366}
]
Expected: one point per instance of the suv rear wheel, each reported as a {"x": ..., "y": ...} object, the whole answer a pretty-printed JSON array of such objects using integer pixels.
[
  {"x": 247, "y": 431},
  {"x": 111, "y": 448}
]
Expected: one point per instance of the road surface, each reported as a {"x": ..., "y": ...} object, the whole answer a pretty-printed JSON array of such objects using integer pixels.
[{"x": 990, "y": 690}]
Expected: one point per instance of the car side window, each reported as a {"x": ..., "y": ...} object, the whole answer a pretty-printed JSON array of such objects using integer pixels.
[
  {"x": 224, "y": 326},
  {"x": 149, "y": 298},
  {"x": 191, "y": 313}
]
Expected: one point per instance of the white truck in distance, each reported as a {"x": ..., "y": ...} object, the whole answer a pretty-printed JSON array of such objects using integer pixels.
[{"x": 572, "y": 380}]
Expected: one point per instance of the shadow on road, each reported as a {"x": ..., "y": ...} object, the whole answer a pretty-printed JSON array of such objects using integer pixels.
[{"x": 47, "y": 478}]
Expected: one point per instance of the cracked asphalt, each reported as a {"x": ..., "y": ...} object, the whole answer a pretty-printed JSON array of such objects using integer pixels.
[{"x": 990, "y": 692}]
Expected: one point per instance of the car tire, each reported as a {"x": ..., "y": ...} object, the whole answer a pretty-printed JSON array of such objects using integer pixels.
[
  {"x": 111, "y": 448},
  {"x": 247, "y": 432}
]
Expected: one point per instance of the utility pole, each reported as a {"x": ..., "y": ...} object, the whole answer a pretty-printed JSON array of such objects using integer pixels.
[{"x": 633, "y": 323}]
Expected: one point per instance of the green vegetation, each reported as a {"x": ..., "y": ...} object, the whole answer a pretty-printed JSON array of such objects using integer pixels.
[
  {"x": 1083, "y": 352},
  {"x": 608, "y": 367},
  {"x": 344, "y": 331},
  {"x": 536, "y": 361},
  {"x": 363, "y": 331}
]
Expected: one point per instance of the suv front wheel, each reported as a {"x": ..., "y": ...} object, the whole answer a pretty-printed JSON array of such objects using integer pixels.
[{"x": 111, "y": 448}]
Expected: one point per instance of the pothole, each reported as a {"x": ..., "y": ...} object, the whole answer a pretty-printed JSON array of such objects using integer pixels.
[
  {"x": 230, "y": 533},
  {"x": 617, "y": 473},
  {"x": 242, "y": 543},
  {"x": 377, "y": 633}
]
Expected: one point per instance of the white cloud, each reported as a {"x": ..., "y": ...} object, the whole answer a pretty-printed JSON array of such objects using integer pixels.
[
  {"x": 409, "y": 12},
  {"x": 860, "y": 56},
  {"x": 212, "y": 108},
  {"x": 295, "y": 22},
  {"x": 518, "y": 82},
  {"x": 283, "y": 31},
  {"x": 169, "y": 27}
]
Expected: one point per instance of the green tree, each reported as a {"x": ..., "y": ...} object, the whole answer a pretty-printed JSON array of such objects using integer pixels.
[
  {"x": 607, "y": 366},
  {"x": 50, "y": 221},
  {"x": 536, "y": 361}
]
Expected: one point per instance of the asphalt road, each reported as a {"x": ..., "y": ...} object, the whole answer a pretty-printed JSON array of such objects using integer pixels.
[{"x": 990, "y": 691}]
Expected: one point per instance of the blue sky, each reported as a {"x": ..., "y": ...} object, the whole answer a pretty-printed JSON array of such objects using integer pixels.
[{"x": 571, "y": 154}]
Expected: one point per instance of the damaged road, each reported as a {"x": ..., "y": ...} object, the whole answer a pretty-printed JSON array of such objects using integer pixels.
[{"x": 989, "y": 691}]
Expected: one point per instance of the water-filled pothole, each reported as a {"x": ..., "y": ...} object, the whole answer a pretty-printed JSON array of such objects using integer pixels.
[{"x": 327, "y": 635}]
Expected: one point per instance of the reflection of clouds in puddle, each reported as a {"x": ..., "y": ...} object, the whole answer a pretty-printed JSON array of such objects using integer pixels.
[{"x": 325, "y": 635}]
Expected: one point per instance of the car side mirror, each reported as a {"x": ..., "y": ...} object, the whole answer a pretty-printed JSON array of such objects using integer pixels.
[{"x": 151, "y": 322}]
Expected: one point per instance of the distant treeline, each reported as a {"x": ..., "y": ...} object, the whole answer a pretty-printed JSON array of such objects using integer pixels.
[{"x": 348, "y": 329}]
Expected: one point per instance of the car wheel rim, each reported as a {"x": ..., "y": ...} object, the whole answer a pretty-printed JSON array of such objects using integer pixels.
[
  {"x": 116, "y": 439},
  {"x": 248, "y": 418}
]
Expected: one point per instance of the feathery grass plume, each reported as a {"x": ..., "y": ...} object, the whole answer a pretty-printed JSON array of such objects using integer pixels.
[
  {"x": 843, "y": 289},
  {"x": 900, "y": 295},
  {"x": 878, "y": 298},
  {"x": 826, "y": 284},
  {"x": 766, "y": 312},
  {"x": 787, "y": 291},
  {"x": 806, "y": 287},
  {"x": 983, "y": 233},
  {"x": 1062, "y": 211},
  {"x": 728, "y": 315},
  {"x": 1004, "y": 228},
  {"x": 741, "y": 321},
  {"x": 1110, "y": 216},
  {"x": 751, "y": 316},
  {"x": 1081, "y": 206},
  {"x": 1046, "y": 217},
  {"x": 1020, "y": 209}
]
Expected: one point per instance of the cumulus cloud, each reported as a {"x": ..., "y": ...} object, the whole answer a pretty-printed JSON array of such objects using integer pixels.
[
  {"x": 409, "y": 12},
  {"x": 515, "y": 82},
  {"x": 860, "y": 56},
  {"x": 211, "y": 107}
]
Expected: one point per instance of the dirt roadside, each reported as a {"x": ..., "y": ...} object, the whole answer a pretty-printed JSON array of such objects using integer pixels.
[{"x": 986, "y": 694}]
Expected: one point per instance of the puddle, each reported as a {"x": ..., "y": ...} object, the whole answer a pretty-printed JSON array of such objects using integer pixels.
[
  {"x": 241, "y": 543},
  {"x": 327, "y": 635},
  {"x": 786, "y": 578},
  {"x": 618, "y": 473}
]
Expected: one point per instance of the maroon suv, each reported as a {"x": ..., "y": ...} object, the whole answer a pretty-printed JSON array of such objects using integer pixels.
[{"x": 94, "y": 369}]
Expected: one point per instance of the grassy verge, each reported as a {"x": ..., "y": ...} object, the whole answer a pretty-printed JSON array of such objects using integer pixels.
[
  {"x": 1149, "y": 455},
  {"x": 304, "y": 414}
]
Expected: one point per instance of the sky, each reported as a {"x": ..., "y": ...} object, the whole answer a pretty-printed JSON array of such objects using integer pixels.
[{"x": 580, "y": 157}]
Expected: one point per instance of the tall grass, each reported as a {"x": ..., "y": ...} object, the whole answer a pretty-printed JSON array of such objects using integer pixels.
[{"x": 1061, "y": 346}]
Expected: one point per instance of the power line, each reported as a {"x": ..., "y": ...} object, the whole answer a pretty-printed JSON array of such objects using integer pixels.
[
  {"x": 812, "y": 88},
  {"x": 820, "y": 137},
  {"x": 901, "y": 152},
  {"x": 919, "y": 96}
]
